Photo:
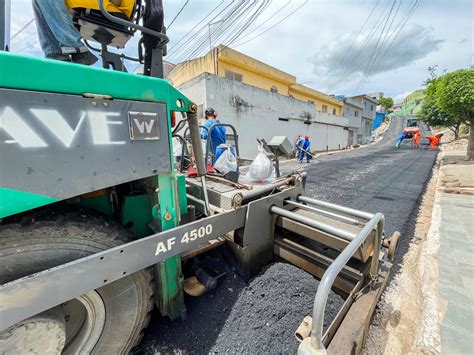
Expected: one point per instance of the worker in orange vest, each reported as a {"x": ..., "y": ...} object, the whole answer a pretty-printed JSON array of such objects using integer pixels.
[
  {"x": 434, "y": 140},
  {"x": 416, "y": 140}
]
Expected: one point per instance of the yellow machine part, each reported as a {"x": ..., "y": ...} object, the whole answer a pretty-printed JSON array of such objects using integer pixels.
[{"x": 123, "y": 6}]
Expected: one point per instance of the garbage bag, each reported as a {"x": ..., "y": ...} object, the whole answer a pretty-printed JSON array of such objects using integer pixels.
[
  {"x": 226, "y": 162},
  {"x": 261, "y": 167},
  {"x": 177, "y": 147}
]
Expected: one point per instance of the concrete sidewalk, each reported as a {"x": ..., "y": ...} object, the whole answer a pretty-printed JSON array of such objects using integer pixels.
[
  {"x": 456, "y": 252},
  {"x": 456, "y": 273}
]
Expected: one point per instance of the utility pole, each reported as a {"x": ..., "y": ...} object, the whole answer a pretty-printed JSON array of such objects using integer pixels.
[
  {"x": 210, "y": 43},
  {"x": 4, "y": 25}
]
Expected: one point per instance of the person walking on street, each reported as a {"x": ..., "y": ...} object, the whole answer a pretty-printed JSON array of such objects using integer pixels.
[
  {"x": 58, "y": 37},
  {"x": 304, "y": 149}
]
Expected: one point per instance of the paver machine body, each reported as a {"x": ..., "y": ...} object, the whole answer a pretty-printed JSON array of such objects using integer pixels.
[{"x": 96, "y": 221}]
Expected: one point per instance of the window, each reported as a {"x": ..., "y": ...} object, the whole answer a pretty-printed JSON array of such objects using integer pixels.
[
  {"x": 274, "y": 89},
  {"x": 229, "y": 74},
  {"x": 371, "y": 107},
  {"x": 310, "y": 102},
  {"x": 325, "y": 108},
  {"x": 333, "y": 111}
]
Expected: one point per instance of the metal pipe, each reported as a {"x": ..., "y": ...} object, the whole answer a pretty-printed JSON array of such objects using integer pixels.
[
  {"x": 5, "y": 17},
  {"x": 312, "y": 223},
  {"x": 266, "y": 188},
  {"x": 346, "y": 210},
  {"x": 197, "y": 151},
  {"x": 323, "y": 212},
  {"x": 163, "y": 37},
  {"x": 315, "y": 344}
]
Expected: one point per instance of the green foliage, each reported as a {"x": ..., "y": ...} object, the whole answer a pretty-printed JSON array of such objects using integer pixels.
[
  {"x": 449, "y": 99},
  {"x": 386, "y": 103},
  {"x": 456, "y": 93}
]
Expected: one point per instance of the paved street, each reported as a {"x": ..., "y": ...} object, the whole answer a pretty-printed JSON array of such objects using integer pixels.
[{"x": 378, "y": 178}]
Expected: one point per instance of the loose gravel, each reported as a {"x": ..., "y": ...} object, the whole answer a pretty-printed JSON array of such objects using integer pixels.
[{"x": 255, "y": 318}]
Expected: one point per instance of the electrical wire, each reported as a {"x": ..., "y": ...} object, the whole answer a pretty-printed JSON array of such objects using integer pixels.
[
  {"x": 358, "y": 58},
  {"x": 196, "y": 25},
  {"x": 268, "y": 19},
  {"x": 179, "y": 12},
  {"x": 273, "y": 26},
  {"x": 22, "y": 29},
  {"x": 409, "y": 13},
  {"x": 380, "y": 43},
  {"x": 325, "y": 80}
]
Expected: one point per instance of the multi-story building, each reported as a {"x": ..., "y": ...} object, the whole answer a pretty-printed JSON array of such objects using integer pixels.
[
  {"x": 369, "y": 105},
  {"x": 353, "y": 112},
  {"x": 233, "y": 65}
]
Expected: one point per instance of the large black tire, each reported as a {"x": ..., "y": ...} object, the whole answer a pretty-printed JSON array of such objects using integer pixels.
[{"x": 47, "y": 239}]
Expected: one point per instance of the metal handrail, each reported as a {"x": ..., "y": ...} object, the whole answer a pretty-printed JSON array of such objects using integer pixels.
[
  {"x": 125, "y": 23},
  {"x": 210, "y": 148},
  {"x": 314, "y": 344}
]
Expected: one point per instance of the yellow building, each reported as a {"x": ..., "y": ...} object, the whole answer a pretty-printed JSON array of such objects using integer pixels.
[{"x": 231, "y": 64}]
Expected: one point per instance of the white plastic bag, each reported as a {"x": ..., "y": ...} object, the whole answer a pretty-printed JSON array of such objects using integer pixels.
[
  {"x": 177, "y": 147},
  {"x": 226, "y": 162},
  {"x": 261, "y": 167}
]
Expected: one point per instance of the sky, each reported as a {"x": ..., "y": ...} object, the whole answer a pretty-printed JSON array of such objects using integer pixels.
[{"x": 339, "y": 47}]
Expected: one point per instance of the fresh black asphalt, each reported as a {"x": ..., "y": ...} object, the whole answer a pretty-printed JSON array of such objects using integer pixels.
[{"x": 377, "y": 178}]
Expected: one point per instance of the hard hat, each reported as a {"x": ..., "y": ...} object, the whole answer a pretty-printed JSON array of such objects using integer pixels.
[{"x": 306, "y": 136}]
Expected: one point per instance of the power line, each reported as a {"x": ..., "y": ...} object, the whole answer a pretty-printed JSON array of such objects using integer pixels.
[
  {"x": 22, "y": 29},
  {"x": 200, "y": 33},
  {"x": 376, "y": 49},
  {"x": 197, "y": 24},
  {"x": 224, "y": 24},
  {"x": 359, "y": 53},
  {"x": 268, "y": 19},
  {"x": 339, "y": 65},
  {"x": 274, "y": 25},
  {"x": 249, "y": 22},
  {"x": 179, "y": 12},
  {"x": 410, "y": 11}
]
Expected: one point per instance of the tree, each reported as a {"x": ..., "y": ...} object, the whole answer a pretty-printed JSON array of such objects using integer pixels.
[
  {"x": 449, "y": 102},
  {"x": 433, "y": 114},
  {"x": 386, "y": 103}
]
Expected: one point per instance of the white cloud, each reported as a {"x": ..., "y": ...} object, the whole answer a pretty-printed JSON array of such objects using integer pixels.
[
  {"x": 413, "y": 43},
  {"x": 327, "y": 24}
]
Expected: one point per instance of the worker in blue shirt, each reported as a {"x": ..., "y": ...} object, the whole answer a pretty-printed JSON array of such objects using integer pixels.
[
  {"x": 400, "y": 139},
  {"x": 218, "y": 134},
  {"x": 304, "y": 149}
]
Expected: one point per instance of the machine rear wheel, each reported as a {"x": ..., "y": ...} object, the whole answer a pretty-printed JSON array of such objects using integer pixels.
[{"x": 108, "y": 320}]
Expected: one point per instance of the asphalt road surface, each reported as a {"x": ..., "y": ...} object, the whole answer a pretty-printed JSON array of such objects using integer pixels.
[{"x": 378, "y": 178}]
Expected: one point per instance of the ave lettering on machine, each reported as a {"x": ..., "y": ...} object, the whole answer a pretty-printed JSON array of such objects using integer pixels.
[{"x": 21, "y": 132}]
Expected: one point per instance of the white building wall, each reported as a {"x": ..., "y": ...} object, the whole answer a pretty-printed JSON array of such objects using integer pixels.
[{"x": 258, "y": 113}]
